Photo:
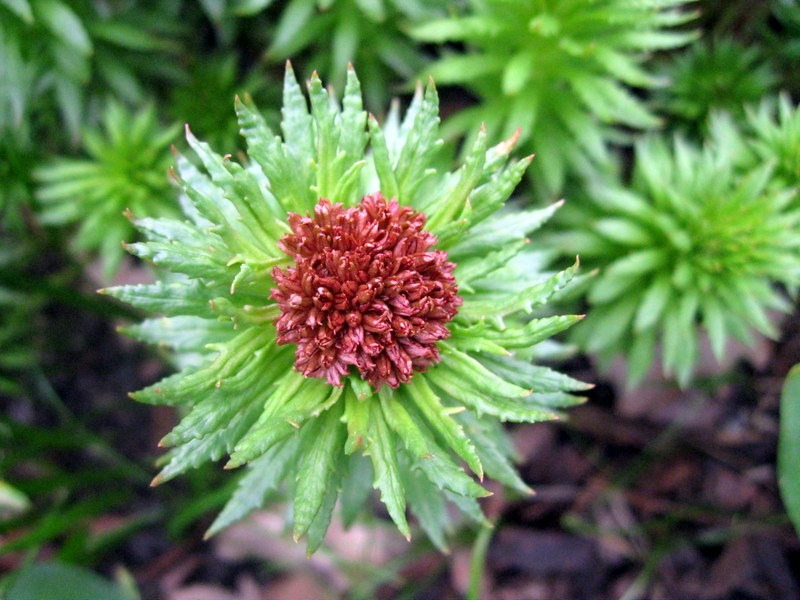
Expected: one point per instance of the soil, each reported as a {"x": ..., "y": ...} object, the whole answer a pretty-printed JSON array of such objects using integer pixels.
[{"x": 655, "y": 492}]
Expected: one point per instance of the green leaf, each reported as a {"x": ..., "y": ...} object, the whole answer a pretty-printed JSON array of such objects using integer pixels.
[
  {"x": 356, "y": 415},
  {"x": 498, "y": 231},
  {"x": 425, "y": 454},
  {"x": 382, "y": 452},
  {"x": 427, "y": 504},
  {"x": 453, "y": 386},
  {"x": 488, "y": 437},
  {"x": 495, "y": 306},
  {"x": 439, "y": 419},
  {"x": 21, "y": 8},
  {"x": 296, "y": 122},
  {"x": 382, "y": 160},
  {"x": 322, "y": 520},
  {"x": 539, "y": 378},
  {"x": 232, "y": 356},
  {"x": 64, "y": 23},
  {"x": 476, "y": 375},
  {"x": 54, "y": 580},
  {"x": 653, "y": 303},
  {"x": 293, "y": 400},
  {"x": 789, "y": 446},
  {"x": 322, "y": 441},
  {"x": 357, "y": 488},
  {"x": 212, "y": 447},
  {"x": 420, "y": 143},
  {"x": 247, "y": 8},
  {"x": 265, "y": 474}
]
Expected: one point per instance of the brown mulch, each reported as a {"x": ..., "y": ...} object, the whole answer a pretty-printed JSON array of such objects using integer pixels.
[{"x": 650, "y": 493}]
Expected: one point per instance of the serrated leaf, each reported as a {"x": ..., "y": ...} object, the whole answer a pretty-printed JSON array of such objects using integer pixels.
[
  {"x": 492, "y": 455},
  {"x": 454, "y": 387},
  {"x": 440, "y": 421},
  {"x": 322, "y": 440},
  {"x": 427, "y": 504},
  {"x": 356, "y": 416},
  {"x": 171, "y": 299},
  {"x": 195, "y": 452},
  {"x": 496, "y": 306},
  {"x": 265, "y": 474},
  {"x": 476, "y": 375},
  {"x": 294, "y": 400},
  {"x": 425, "y": 454},
  {"x": 387, "y": 472}
]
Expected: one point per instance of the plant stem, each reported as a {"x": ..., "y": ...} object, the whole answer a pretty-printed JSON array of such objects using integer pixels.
[{"x": 478, "y": 561}]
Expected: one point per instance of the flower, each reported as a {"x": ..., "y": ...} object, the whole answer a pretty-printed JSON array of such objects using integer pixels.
[
  {"x": 366, "y": 290},
  {"x": 347, "y": 316}
]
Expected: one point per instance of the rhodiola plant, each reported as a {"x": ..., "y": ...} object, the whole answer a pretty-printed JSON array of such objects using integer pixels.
[
  {"x": 720, "y": 75},
  {"x": 560, "y": 71},
  {"x": 695, "y": 243},
  {"x": 352, "y": 316},
  {"x": 774, "y": 132},
  {"x": 126, "y": 171}
]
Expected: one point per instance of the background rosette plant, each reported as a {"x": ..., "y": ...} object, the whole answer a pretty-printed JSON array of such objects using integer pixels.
[
  {"x": 717, "y": 75},
  {"x": 696, "y": 241},
  {"x": 126, "y": 171},
  {"x": 560, "y": 71},
  {"x": 232, "y": 277}
]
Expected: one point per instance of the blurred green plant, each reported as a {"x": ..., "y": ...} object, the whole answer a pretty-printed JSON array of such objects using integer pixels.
[
  {"x": 38, "y": 581},
  {"x": 783, "y": 40},
  {"x": 327, "y": 35},
  {"x": 693, "y": 243},
  {"x": 717, "y": 75},
  {"x": 71, "y": 50},
  {"x": 560, "y": 71},
  {"x": 205, "y": 100},
  {"x": 789, "y": 446},
  {"x": 126, "y": 171},
  {"x": 774, "y": 127},
  {"x": 319, "y": 428}
]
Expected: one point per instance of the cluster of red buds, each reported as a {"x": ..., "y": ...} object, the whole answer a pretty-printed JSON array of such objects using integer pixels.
[{"x": 366, "y": 290}]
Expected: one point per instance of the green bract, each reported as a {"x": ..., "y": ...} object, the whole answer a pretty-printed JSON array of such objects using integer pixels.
[
  {"x": 127, "y": 171},
  {"x": 557, "y": 70},
  {"x": 241, "y": 394},
  {"x": 694, "y": 242}
]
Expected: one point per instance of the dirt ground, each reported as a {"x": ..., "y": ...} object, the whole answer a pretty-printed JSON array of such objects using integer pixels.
[{"x": 654, "y": 492}]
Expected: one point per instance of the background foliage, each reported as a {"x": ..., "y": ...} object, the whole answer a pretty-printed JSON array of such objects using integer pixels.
[{"x": 671, "y": 128}]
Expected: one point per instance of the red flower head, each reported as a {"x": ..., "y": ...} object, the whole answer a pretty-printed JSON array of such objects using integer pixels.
[{"x": 366, "y": 290}]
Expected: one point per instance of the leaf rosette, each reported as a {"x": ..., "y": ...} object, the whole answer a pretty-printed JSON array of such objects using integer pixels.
[
  {"x": 562, "y": 71},
  {"x": 696, "y": 243},
  {"x": 348, "y": 316}
]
